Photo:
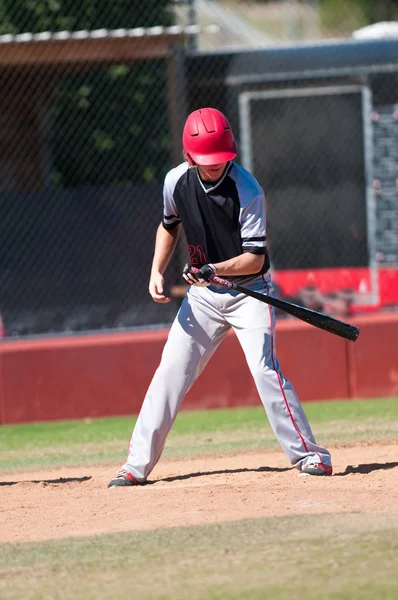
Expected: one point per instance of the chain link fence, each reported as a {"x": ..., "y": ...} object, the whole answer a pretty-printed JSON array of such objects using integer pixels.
[{"x": 93, "y": 98}]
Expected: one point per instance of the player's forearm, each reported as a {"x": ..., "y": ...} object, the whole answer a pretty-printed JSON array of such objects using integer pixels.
[
  {"x": 244, "y": 264},
  {"x": 166, "y": 241}
]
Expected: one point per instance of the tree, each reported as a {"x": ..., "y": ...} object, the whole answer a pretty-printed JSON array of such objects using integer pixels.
[
  {"x": 17, "y": 16},
  {"x": 108, "y": 124},
  {"x": 376, "y": 11},
  {"x": 340, "y": 17}
]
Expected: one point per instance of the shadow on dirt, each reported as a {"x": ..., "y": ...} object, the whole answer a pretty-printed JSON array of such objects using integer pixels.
[
  {"x": 366, "y": 468},
  {"x": 49, "y": 481},
  {"x": 223, "y": 472},
  {"x": 350, "y": 470}
]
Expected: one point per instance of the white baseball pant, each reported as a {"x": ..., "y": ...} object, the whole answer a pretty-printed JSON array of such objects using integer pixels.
[{"x": 204, "y": 318}]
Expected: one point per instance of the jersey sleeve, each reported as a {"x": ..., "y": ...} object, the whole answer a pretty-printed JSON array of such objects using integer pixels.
[
  {"x": 253, "y": 226},
  {"x": 171, "y": 217}
]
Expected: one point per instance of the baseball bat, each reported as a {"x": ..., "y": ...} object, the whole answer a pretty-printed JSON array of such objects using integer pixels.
[{"x": 317, "y": 319}]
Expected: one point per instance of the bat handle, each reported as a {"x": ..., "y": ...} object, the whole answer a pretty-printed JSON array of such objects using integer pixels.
[
  {"x": 223, "y": 282},
  {"x": 216, "y": 279}
]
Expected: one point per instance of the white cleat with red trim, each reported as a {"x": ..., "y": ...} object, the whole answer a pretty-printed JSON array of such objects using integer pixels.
[{"x": 318, "y": 469}]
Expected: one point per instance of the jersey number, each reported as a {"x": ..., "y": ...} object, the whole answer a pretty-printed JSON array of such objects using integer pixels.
[{"x": 197, "y": 255}]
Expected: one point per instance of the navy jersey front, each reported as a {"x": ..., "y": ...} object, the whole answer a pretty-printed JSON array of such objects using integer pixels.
[{"x": 220, "y": 220}]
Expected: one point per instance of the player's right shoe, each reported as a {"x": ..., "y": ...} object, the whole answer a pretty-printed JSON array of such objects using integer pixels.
[
  {"x": 123, "y": 478},
  {"x": 317, "y": 469}
]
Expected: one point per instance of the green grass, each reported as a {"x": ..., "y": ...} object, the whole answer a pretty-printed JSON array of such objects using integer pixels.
[
  {"x": 314, "y": 556},
  {"x": 100, "y": 441},
  {"x": 339, "y": 557}
]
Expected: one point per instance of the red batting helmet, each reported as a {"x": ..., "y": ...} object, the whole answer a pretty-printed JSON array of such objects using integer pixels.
[{"x": 207, "y": 138}]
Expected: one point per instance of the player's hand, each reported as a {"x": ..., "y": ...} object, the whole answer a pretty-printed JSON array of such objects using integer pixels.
[
  {"x": 201, "y": 277},
  {"x": 156, "y": 288}
]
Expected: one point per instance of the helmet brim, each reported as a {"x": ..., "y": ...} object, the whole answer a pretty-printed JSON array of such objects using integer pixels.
[{"x": 216, "y": 158}]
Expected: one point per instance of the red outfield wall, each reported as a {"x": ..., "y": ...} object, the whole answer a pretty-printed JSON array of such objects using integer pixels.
[{"x": 103, "y": 375}]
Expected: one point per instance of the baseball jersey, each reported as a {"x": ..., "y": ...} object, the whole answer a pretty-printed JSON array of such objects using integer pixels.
[{"x": 221, "y": 220}]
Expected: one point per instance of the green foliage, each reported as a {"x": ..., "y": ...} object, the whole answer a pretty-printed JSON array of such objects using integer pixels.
[
  {"x": 342, "y": 16},
  {"x": 338, "y": 17},
  {"x": 17, "y": 16},
  {"x": 108, "y": 126},
  {"x": 6, "y": 25},
  {"x": 380, "y": 10}
]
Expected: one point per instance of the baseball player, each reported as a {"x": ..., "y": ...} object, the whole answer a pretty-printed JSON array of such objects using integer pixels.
[{"x": 221, "y": 208}]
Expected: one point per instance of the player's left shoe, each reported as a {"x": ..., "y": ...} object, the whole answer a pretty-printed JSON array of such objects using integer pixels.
[
  {"x": 123, "y": 478},
  {"x": 317, "y": 469}
]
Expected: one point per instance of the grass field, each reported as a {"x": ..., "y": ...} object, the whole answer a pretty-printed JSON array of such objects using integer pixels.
[
  {"x": 99, "y": 441},
  {"x": 339, "y": 556},
  {"x": 343, "y": 557}
]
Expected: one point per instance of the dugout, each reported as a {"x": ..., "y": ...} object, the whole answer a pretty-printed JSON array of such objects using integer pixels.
[
  {"x": 31, "y": 66},
  {"x": 68, "y": 248},
  {"x": 317, "y": 125},
  {"x": 61, "y": 269}
]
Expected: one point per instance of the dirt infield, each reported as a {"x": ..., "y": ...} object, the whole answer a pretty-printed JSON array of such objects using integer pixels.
[{"x": 75, "y": 501}]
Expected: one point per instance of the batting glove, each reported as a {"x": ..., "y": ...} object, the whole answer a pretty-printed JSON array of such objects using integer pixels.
[{"x": 200, "y": 278}]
